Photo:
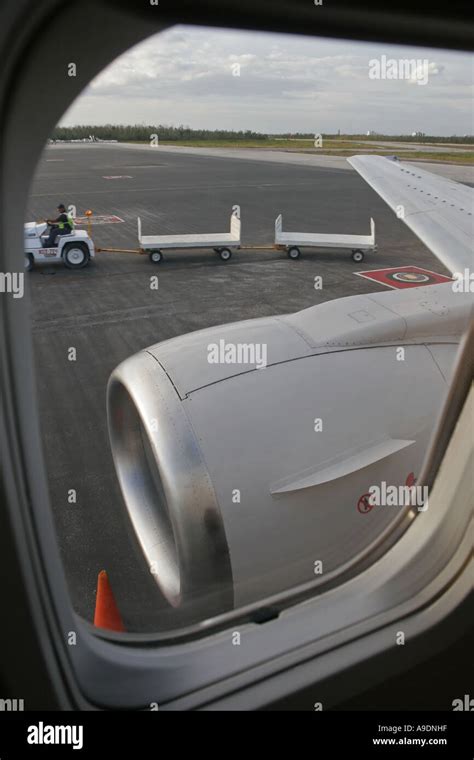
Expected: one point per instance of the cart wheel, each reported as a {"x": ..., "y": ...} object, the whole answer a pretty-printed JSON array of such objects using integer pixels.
[
  {"x": 29, "y": 262},
  {"x": 155, "y": 257},
  {"x": 294, "y": 252},
  {"x": 225, "y": 254},
  {"x": 357, "y": 256}
]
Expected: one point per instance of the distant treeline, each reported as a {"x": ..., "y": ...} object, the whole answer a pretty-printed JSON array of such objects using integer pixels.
[
  {"x": 143, "y": 132},
  {"x": 465, "y": 139},
  {"x": 419, "y": 138}
]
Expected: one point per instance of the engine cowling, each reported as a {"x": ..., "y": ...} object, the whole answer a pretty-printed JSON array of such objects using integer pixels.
[{"x": 240, "y": 481}]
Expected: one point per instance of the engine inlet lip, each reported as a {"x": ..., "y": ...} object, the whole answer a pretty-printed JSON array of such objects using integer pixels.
[{"x": 167, "y": 488}]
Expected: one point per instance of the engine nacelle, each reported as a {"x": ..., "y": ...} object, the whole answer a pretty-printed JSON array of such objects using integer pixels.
[{"x": 242, "y": 481}]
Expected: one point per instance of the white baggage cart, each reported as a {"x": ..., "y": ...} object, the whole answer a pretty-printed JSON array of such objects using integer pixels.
[
  {"x": 223, "y": 243},
  {"x": 294, "y": 241}
]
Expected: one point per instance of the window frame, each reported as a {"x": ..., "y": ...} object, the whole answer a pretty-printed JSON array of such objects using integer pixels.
[{"x": 132, "y": 671}]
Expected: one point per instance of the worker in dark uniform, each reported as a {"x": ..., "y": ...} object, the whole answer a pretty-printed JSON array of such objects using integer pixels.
[{"x": 63, "y": 225}]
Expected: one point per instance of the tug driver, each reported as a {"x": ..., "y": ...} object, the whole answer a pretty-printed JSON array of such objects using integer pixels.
[{"x": 63, "y": 225}]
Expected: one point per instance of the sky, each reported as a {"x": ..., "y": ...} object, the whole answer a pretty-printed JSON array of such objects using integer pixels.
[{"x": 222, "y": 79}]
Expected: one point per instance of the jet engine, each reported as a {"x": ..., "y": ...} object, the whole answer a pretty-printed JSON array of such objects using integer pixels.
[{"x": 245, "y": 452}]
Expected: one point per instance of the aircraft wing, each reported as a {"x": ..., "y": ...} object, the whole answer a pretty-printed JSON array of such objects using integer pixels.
[{"x": 438, "y": 210}]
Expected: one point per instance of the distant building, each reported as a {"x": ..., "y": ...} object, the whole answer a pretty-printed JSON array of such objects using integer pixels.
[
  {"x": 418, "y": 134},
  {"x": 370, "y": 133}
]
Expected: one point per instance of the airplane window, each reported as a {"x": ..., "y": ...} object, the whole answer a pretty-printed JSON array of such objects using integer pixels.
[{"x": 245, "y": 317}]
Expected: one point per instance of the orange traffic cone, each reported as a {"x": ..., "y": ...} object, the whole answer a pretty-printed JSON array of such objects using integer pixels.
[{"x": 106, "y": 614}]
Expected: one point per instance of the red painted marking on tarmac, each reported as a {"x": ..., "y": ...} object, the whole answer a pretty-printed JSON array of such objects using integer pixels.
[
  {"x": 81, "y": 221},
  {"x": 404, "y": 277}
]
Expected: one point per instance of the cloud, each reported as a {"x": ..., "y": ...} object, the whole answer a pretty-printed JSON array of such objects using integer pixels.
[{"x": 281, "y": 83}]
